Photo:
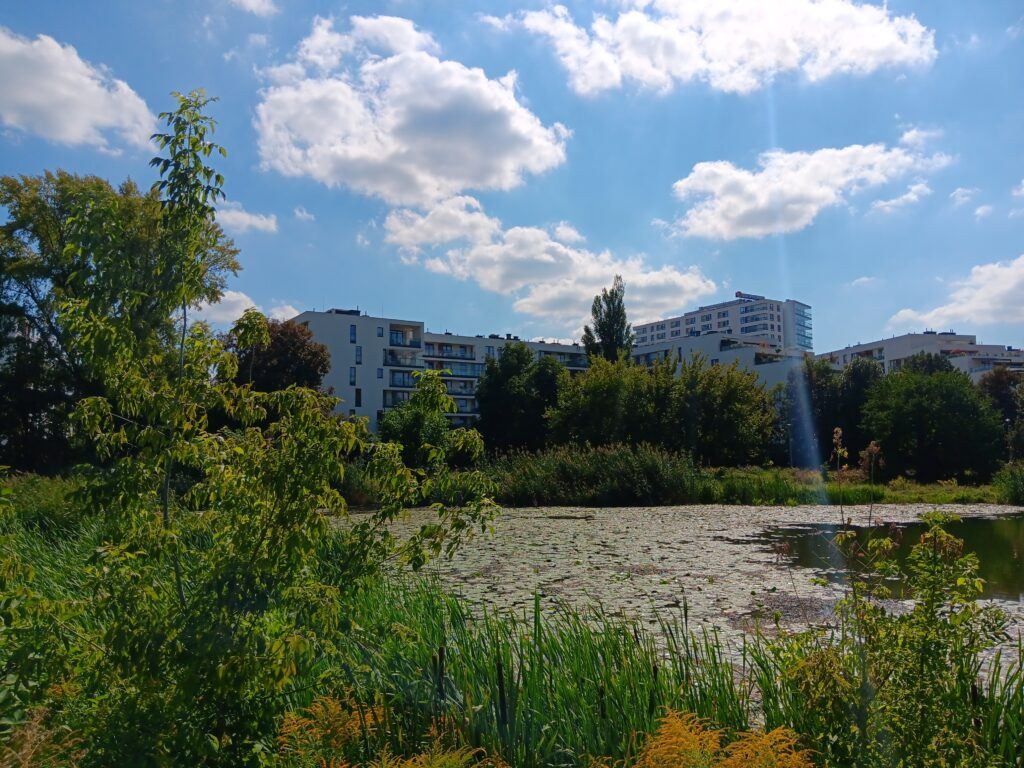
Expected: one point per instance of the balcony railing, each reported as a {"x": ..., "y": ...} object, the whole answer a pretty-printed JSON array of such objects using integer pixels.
[
  {"x": 399, "y": 360},
  {"x": 449, "y": 355},
  {"x": 401, "y": 340}
]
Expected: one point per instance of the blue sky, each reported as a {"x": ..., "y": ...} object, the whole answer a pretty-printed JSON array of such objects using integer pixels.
[{"x": 486, "y": 167}]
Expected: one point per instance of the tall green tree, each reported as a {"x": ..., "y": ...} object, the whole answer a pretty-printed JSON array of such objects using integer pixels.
[
  {"x": 927, "y": 363},
  {"x": 200, "y": 614},
  {"x": 290, "y": 357},
  {"x": 933, "y": 426},
  {"x": 514, "y": 393},
  {"x": 420, "y": 427},
  {"x": 41, "y": 374},
  {"x": 610, "y": 334}
]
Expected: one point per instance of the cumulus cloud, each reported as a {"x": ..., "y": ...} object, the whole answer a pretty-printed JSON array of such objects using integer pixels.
[
  {"x": 547, "y": 278},
  {"x": 47, "y": 89},
  {"x": 1018, "y": 191},
  {"x": 963, "y": 195},
  {"x": 983, "y": 212},
  {"x": 303, "y": 215},
  {"x": 234, "y": 218},
  {"x": 265, "y": 8},
  {"x": 374, "y": 109},
  {"x": 737, "y": 46},
  {"x": 282, "y": 312},
  {"x": 788, "y": 190},
  {"x": 990, "y": 294},
  {"x": 224, "y": 312},
  {"x": 918, "y": 137},
  {"x": 913, "y": 195},
  {"x": 566, "y": 233},
  {"x": 234, "y": 303}
]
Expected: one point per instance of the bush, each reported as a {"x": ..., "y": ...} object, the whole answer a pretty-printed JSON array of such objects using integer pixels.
[
  {"x": 613, "y": 475},
  {"x": 1009, "y": 483}
]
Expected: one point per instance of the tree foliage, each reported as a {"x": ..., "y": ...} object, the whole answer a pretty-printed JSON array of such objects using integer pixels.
[
  {"x": 421, "y": 429},
  {"x": 200, "y": 614},
  {"x": 289, "y": 357},
  {"x": 513, "y": 395},
  {"x": 933, "y": 426},
  {"x": 721, "y": 415},
  {"x": 611, "y": 334},
  {"x": 41, "y": 374}
]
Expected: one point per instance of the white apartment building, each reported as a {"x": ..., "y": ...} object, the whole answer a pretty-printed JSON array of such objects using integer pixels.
[
  {"x": 786, "y": 324},
  {"x": 770, "y": 362},
  {"x": 962, "y": 350},
  {"x": 373, "y": 360}
]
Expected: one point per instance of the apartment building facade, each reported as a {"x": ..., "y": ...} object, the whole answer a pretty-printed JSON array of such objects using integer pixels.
[
  {"x": 783, "y": 323},
  {"x": 962, "y": 350},
  {"x": 770, "y": 362},
  {"x": 373, "y": 360}
]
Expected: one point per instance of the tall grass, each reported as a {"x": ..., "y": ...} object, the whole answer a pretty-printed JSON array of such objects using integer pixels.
[
  {"x": 537, "y": 690},
  {"x": 1009, "y": 483}
]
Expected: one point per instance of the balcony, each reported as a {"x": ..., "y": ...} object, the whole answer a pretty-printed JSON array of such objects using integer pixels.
[
  {"x": 400, "y": 360},
  {"x": 464, "y": 370},
  {"x": 402, "y": 379},
  {"x": 450, "y": 354},
  {"x": 396, "y": 339}
]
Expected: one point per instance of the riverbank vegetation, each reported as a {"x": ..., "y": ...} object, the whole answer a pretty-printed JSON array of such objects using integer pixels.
[{"x": 196, "y": 592}]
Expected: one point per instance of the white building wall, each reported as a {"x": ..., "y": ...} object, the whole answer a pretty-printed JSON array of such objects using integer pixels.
[
  {"x": 771, "y": 364},
  {"x": 785, "y": 323},
  {"x": 962, "y": 350},
  {"x": 373, "y": 360}
]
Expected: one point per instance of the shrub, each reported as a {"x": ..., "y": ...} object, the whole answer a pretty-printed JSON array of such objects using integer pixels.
[{"x": 1009, "y": 483}]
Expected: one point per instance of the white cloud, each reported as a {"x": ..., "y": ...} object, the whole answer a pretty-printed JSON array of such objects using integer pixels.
[
  {"x": 1017, "y": 29},
  {"x": 863, "y": 282},
  {"x": 567, "y": 233},
  {"x": 546, "y": 278},
  {"x": 457, "y": 218},
  {"x": 234, "y": 218},
  {"x": 983, "y": 212},
  {"x": 283, "y": 312},
  {"x": 303, "y": 215},
  {"x": 263, "y": 8},
  {"x": 916, "y": 138},
  {"x": 789, "y": 189},
  {"x": 1016, "y": 213},
  {"x": 913, "y": 195},
  {"x": 963, "y": 195},
  {"x": 990, "y": 294},
  {"x": 737, "y": 46},
  {"x": 362, "y": 240},
  {"x": 234, "y": 303},
  {"x": 375, "y": 110},
  {"x": 230, "y": 307},
  {"x": 48, "y": 90},
  {"x": 1018, "y": 191}
]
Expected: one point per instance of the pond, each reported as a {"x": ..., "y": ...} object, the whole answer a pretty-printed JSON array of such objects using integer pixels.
[
  {"x": 733, "y": 568},
  {"x": 997, "y": 541}
]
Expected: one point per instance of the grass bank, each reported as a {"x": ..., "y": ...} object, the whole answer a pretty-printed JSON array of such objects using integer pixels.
[
  {"x": 640, "y": 475},
  {"x": 410, "y": 676}
]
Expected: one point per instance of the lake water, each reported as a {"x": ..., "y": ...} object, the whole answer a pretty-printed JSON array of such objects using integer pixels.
[{"x": 998, "y": 543}]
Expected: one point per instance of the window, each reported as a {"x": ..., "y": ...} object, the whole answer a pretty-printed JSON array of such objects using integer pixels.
[
  {"x": 351, "y": 411},
  {"x": 706, "y": 326},
  {"x": 380, "y": 373},
  {"x": 359, "y": 398},
  {"x": 380, "y": 331},
  {"x": 674, "y": 324},
  {"x": 691, "y": 321},
  {"x": 352, "y": 374},
  {"x": 359, "y": 355},
  {"x": 705, "y": 318},
  {"x": 490, "y": 351},
  {"x": 675, "y": 333},
  {"x": 724, "y": 313},
  {"x": 352, "y": 334}
]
